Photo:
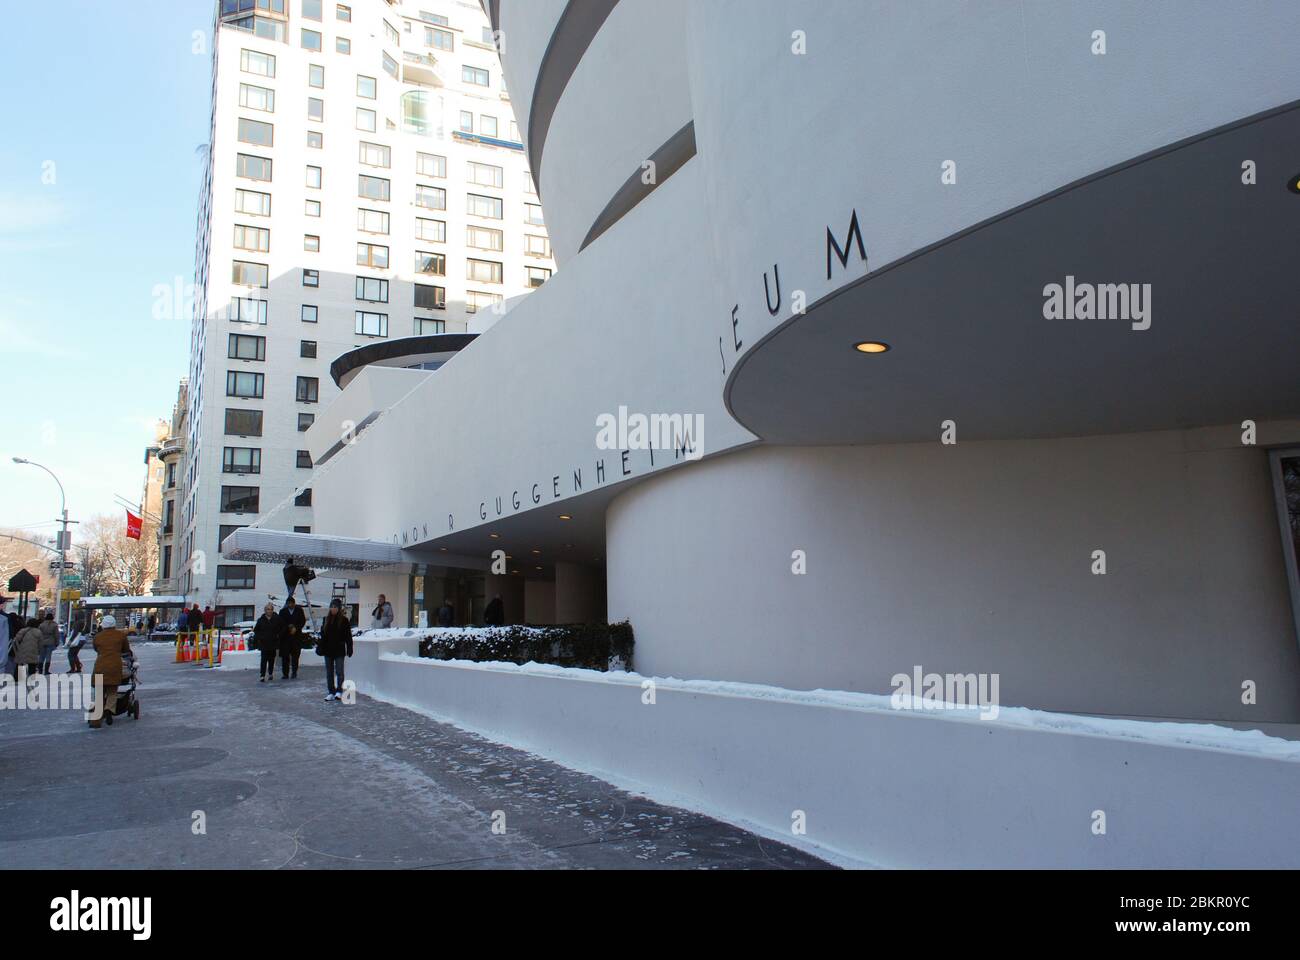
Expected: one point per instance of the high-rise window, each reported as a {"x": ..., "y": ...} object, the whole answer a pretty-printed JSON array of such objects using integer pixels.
[
  {"x": 313, "y": 177},
  {"x": 316, "y": 76},
  {"x": 303, "y": 499},
  {"x": 343, "y": 13},
  {"x": 307, "y": 390},
  {"x": 466, "y": 121},
  {"x": 390, "y": 66},
  {"x": 261, "y": 64},
  {"x": 484, "y": 238},
  {"x": 430, "y": 264},
  {"x": 256, "y": 132},
  {"x": 305, "y": 420},
  {"x": 434, "y": 231},
  {"x": 373, "y": 289},
  {"x": 537, "y": 246},
  {"x": 241, "y": 383},
  {"x": 480, "y": 206},
  {"x": 252, "y": 168},
  {"x": 315, "y": 139},
  {"x": 232, "y": 576},
  {"x": 483, "y": 271},
  {"x": 439, "y": 39},
  {"x": 475, "y": 75},
  {"x": 304, "y": 460},
  {"x": 248, "y": 310},
  {"x": 376, "y": 188},
  {"x": 485, "y": 174},
  {"x": 226, "y": 529},
  {"x": 242, "y": 346},
  {"x": 342, "y": 45},
  {"x": 425, "y": 327},
  {"x": 316, "y": 109},
  {"x": 311, "y": 243},
  {"x": 375, "y": 155},
  {"x": 372, "y": 221},
  {"x": 430, "y": 165},
  {"x": 311, "y": 40},
  {"x": 312, "y": 208},
  {"x": 307, "y": 348},
  {"x": 257, "y": 239},
  {"x": 372, "y": 324},
  {"x": 244, "y": 274},
  {"x": 366, "y": 119},
  {"x": 476, "y": 300},
  {"x": 487, "y": 125},
  {"x": 309, "y": 313},
  {"x": 311, "y": 278},
  {"x": 256, "y": 98},
  {"x": 372, "y": 255},
  {"x": 428, "y": 297},
  {"x": 241, "y": 460},
  {"x": 311, "y": 10},
  {"x": 367, "y": 87},
  {"x": 243, "y": 423},
  {"x": 431, "y": 198},
  {"x": 537, "y": 275},
  {"x": 252, "y": 203},
  {"x": 391, "y": 34},
  {"x": 533, "y": 214}
]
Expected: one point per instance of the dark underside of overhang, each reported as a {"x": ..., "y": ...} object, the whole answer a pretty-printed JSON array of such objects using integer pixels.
[{"x": 965, "y": 317}]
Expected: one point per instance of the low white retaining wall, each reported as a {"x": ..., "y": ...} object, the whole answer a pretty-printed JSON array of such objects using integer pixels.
[
  {"x": 252, "y": 660},
  {"x": 882, "y": 786}
]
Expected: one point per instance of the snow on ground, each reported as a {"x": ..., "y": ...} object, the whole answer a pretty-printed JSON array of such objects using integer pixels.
[{"x": 1200, "y": 735}]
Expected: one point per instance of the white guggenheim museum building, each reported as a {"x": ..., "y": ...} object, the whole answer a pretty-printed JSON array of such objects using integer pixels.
[{"x": 974, "y": 338}]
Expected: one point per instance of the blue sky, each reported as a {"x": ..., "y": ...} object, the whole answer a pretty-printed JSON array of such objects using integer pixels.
[{"x": 99, "y": 180}]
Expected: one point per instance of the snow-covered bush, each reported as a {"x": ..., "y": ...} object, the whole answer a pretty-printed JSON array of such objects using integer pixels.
[{"x": 593, "y": 646}]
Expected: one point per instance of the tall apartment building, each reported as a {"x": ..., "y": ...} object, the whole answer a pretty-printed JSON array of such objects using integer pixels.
[{"x": 365, "y": 181}]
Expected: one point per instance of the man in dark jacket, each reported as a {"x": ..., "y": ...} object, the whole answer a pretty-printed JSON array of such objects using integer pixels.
[
  {"x": 267, "y": 634},
  {"x": 196, "y": 618},
  {"x": 295, "y": 622},
  {"x": 494, "y": 615},
  {"x": 335, "y": 644},
  {"x": 446, "y": 614}
]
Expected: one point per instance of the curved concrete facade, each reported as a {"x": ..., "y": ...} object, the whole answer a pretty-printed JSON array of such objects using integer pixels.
[{"x": 975, "y": 556}]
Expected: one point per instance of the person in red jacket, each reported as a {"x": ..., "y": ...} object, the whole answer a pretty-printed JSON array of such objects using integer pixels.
[{"x": 209, "y": 617}]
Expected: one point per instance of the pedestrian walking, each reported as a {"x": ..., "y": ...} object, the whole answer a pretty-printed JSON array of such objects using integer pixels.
[
  {"x": 75, "y": 643},
  {"x": 295, "y": 623},
  {"x": 27, "y": 648},
  {"x": 268, "y": 634},
  {"x": 382, "y": 615},
  {"x": 182, "y": 621},
  {"x": 49, "y": 640},
  {"x": 494, "y": 614},
  {"x": 10, "y": 624},
  {"x": 335, "y": 644},
  {"x": 110, "y": 644},
  {"x": 446, "y": 614}
]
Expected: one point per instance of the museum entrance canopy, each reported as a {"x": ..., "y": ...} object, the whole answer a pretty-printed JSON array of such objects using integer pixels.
[
  {"x": 255, "y": 545},
  {"x": 132, "y": 603}
]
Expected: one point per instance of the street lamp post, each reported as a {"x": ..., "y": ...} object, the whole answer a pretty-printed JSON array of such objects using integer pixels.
[{"x": 63, "y": 543}]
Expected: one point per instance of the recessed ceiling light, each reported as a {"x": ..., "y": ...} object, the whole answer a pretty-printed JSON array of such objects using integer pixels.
[
  {"x": 495, "y": 536},
  {"x": 871, "y": 346},
  {"x": 537, "y": 553},
  {"x": 565, "y": 516}
]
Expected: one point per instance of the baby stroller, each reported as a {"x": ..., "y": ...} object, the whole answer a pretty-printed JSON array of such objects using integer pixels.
[{"x": 127, "y": 701}]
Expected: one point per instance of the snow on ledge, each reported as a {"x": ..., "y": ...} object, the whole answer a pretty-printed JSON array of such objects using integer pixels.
[{"x": 1205, "y": 736}]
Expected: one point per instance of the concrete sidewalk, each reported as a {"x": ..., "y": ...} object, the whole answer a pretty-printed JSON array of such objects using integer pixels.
[{"x": 284, "y": 779}]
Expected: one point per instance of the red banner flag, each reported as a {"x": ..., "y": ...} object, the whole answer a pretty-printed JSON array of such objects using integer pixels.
[{"x": 132, "y": 525}]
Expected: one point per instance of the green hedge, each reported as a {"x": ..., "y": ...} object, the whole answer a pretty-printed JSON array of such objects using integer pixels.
[{"x": 587, "y": 645}]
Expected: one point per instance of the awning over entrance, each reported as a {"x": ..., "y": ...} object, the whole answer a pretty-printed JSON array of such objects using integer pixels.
[
  {"x": 132, "y": 603},
  {"x": 255, "y": 545}
]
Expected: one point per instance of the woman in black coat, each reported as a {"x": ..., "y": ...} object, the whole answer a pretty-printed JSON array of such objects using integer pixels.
[
  {"x": 268, "y": 634},
  {"x": 335, "y": 644}
]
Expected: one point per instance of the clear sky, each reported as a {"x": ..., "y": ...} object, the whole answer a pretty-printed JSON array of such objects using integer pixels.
[{"x": 104, "y": 106}]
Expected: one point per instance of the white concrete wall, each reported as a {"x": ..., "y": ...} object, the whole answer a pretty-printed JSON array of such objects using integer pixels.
[
  {"x": 888, "y": 91},
  {"x": 972, "y": 558},
  {"x": 894, "y": 789}
]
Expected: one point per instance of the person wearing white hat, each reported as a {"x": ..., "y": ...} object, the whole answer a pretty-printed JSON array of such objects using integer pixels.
[{"x": 110, "y": 644}]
